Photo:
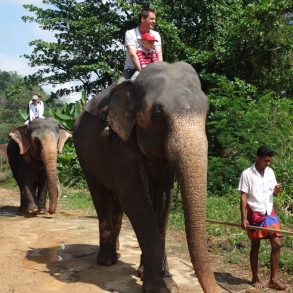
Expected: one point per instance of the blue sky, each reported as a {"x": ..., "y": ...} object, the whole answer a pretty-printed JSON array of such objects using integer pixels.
[{"x": 15, "y": 35}]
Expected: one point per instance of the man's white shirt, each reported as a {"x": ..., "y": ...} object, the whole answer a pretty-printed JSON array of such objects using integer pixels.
[
  {"x": 36, "y": 111},
  {"x": 260, "y": 189},
  {"x": 133, "y": 38}
]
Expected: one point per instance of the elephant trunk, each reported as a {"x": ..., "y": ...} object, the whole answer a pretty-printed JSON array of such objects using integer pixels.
[
  {"x": 49, "y": 156},
  {"x": 188, "y": 152}
]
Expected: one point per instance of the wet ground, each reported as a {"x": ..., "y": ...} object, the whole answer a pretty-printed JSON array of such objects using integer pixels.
[{"x": 47, "y": 254}]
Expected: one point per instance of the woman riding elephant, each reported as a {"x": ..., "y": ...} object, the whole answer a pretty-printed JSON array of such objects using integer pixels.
[{"x": 158, "y": 129}]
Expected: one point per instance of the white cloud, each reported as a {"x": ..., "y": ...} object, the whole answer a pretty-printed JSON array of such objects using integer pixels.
[
  {"x": 21, "y": 2},
  {"x": 45, "y": 35},
  {"x": 16, "y": 37},
  {"x": 49, "y": 88},
  {"x": 15, "y": 63}
]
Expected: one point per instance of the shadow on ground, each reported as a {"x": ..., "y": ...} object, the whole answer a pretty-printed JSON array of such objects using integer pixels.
[
  {"x": 227, "y": 278},
  {"x": 8, "y": 211},
  {"x": 77, "y": 263}
]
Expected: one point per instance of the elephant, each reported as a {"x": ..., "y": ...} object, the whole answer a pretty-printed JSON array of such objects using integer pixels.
[
  {"x": 32, "y": 156},
  {"x": 157, "y": 130}
]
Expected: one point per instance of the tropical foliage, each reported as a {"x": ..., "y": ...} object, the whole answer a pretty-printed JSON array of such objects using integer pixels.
[
  {"x": 243, "y": 38},
  {"x": 241, "y": 49},
  {"x": 15, "y": 93}
]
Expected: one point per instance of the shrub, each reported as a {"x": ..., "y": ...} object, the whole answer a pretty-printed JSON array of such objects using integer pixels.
[{"x": 241, "y": 119}]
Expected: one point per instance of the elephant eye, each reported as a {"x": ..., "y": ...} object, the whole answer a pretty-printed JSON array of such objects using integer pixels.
[
  {"x": 37, "y": 141},
  {"x": 157, "y": 112}
]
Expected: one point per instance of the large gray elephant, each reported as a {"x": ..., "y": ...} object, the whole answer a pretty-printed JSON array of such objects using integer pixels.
[
  {"x": 157, "y": 128},
  {"x": 32, "y": 156}
]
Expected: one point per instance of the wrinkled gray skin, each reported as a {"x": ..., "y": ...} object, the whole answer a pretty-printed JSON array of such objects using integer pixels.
[
  {"x": 32, "y": 156},
  {"x": 158, "y": 129}
]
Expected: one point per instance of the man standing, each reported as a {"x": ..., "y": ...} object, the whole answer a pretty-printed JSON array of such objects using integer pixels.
[
  {"x": 258, "y": 186},
  {"x": 147, "y": 21}
]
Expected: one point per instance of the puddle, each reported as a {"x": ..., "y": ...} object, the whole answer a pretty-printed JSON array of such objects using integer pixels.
[
  {"x": 6, "y": 213},
  {"x": 43, "y": 255}
]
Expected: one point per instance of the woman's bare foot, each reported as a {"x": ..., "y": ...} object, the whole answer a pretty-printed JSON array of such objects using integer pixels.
[
  {"x": 257, "y": 284},
  {"x": 278, "y": 285}
]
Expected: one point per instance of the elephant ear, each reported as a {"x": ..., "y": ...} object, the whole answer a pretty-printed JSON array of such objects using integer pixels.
[
  {"x": 121, "y": 115},
  {"x": 99, "y": 105},
  {"x": 20, "y": 135},
  {"x": 63, "y": 136}
]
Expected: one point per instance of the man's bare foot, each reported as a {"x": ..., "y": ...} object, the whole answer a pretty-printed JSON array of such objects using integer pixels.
[
  {"x": 257, "y": 284},
  {"x": 277, "y": 285}
]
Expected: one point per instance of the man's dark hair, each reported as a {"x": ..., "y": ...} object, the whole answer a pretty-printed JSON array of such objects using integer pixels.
[
  {"x": 264, "y": 151},
  {"x": 145, "y": 12}
]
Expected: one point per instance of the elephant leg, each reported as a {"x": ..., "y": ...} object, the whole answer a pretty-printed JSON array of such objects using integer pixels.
[
  {"x": 28, "y": 200},
  {"x": 23, "y": 175},
  {"x": 110, "y": 218},
  {"x": 42, "y": 190},
  {"x": 117, "y": 216},
  {"x": 161, "y": 199},
  {"x": 134, "y": 196}
]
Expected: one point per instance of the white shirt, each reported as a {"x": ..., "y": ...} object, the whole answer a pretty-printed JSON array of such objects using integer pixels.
[
  {"x": 260, "y": 189},
  {"x": 36, "y": 111},
  {"x": 133, "y": 38}
]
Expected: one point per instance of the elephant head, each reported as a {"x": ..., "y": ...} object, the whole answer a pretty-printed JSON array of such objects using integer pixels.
[
  {"x": 165, "y": 109},
  {"x": 40, "y": 141}
]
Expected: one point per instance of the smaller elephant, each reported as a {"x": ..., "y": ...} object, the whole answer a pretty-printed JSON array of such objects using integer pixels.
[{"x": 32, "y": 156}]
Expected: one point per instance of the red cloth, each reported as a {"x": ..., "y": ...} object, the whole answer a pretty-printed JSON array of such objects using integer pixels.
[
  {"x": 264, "y": 221},
  {"x": 146, "y": 58}
]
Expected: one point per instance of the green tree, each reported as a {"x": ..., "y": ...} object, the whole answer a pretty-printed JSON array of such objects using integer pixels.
[
  {"x": 242, "y": 50},
  {"x": 88, "y": 43},
  {"x": 251, "y": 40},
  {"x": 242, "y": 38},
  {"x": 241, "y": 119},
  {"x": 15, "y": 93}
]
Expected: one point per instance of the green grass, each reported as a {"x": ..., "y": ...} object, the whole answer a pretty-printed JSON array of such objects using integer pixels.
[
  {"x": 226, "y": 208},
  {"x": 222, "y": 208},
  {"x": 76, "y": 199},
  {"x": 9, "y": 183}
]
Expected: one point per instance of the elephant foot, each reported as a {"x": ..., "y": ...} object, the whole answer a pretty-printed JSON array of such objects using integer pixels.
[
  {"x": 104, "y": 259},
  {"x": 106, "y": 132},
  {"x": 160, "y": 285},
  {"x": 30, "y": 210},
  {"x": 42, "y": 211},
  {"x": 140, "y": 271}
]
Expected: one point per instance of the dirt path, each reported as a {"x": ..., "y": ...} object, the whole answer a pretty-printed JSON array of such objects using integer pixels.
[{"x": 48, "y": 254}]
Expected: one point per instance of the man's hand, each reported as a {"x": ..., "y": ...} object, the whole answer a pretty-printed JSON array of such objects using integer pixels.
[
  {"x": 278, "y": 188},
  {"x": 243, "y": 209},
  {"x": 244, "y": 223},
  {"x": 132, "y": 53}
]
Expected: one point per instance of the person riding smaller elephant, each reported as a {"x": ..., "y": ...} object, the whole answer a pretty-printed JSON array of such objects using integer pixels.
[{"x": 35, "y": 109}]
